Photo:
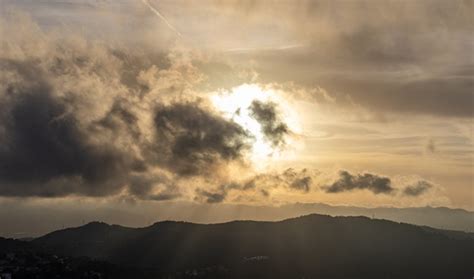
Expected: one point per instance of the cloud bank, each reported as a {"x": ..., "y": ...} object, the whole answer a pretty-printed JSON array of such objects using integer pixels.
[{"x": 83, "y": 118}]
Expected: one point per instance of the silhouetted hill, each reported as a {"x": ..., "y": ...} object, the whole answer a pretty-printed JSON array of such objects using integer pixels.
[
  {"x": 26, "y": 219},
  {"x": 437, "y": 217},
  {"x": 96, "y": 240},
  {"x": 305, "y": 247}
]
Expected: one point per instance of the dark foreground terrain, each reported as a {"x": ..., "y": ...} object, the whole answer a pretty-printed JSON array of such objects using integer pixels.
[{"x": 313, "y": 246}]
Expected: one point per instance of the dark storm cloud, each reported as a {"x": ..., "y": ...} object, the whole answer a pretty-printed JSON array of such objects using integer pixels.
[
  {"x": 42, "y": 144},
  {"x": 192, "y": 140},
  {"x": 273, "y": 128},
  {"x": 348, "y": 182},
  {"x": 419, "y": 188}
]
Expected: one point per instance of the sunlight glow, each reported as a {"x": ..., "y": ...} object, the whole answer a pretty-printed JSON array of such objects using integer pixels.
[{"x": 235, "y": 105}]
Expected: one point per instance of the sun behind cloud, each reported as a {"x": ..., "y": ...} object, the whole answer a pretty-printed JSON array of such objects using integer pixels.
[{"x": 264, "y": 114}]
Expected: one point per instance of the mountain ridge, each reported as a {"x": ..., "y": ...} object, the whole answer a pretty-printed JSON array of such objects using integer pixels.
[
  {"x": 311, "y": 245},
  {"x": 436, "y": 217}
]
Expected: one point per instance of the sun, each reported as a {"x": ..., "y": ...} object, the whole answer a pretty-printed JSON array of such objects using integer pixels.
[{"x": 235, "y": 105}]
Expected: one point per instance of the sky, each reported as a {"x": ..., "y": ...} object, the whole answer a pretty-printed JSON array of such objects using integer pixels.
[{"x": 125, "y": 103}]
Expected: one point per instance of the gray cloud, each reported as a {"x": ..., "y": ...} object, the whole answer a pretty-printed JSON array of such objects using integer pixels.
[
  {"x": 375, "y": 184},
  {"x": 94, "y": 120},
  {"x": 387, "y": 57},
  {"x": 272, "y": 127},
  {"x": 297, "y": 180},
  {"x": 120, "y": 117},
  {"x": 210, "y": 197},
  {"x": 303, "y": 180},
  {"x": 397, "y": 57},
  {"x": 165, "y": 196},
  {"x": 43, "y": 144},
  {"x": 260, "y": 184},
  {"x": 399, "y": 88},
  {"x": 50, "y": 148},
  {"x": 220, "y": 194},
  {"x": 142, "y": 185},
  {"x": 302, "y": 184},
  {"x": 417, "y": 189},
  {"x": 348, "y": 182},
  {"x": 191, "y": 140},
  {"x": 300, "y": 181}
]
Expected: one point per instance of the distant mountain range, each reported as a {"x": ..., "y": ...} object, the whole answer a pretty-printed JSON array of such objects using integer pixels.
[
  {"x": 313, "y": 246},
  {"x": 437, "y": 217},
  {"x": 32, "y": 220}
]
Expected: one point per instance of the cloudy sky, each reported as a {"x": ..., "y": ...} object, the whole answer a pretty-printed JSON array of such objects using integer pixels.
[{"x": 365, "y": 103}]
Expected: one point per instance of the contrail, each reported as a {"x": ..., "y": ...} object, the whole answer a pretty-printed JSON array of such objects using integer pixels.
[{"x": 156, "y": 12}]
